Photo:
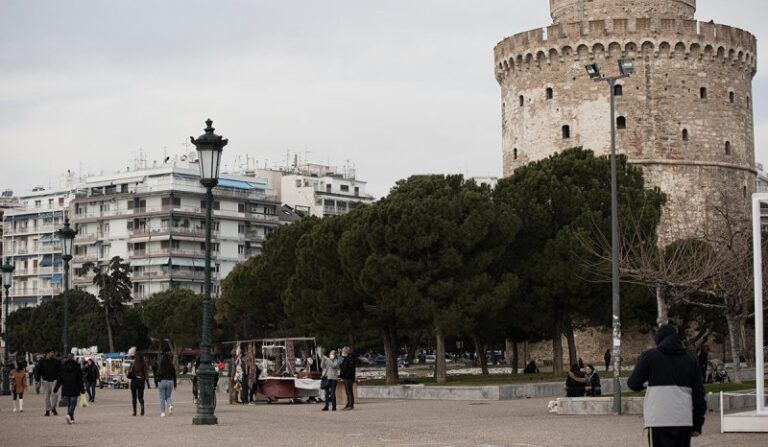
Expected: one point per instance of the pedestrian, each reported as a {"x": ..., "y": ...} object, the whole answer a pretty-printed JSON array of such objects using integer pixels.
[
  {"x": 576, "y": 383},
  {"x": 18, "y": 381},
  {"x": 91, "y": 374},
  {"x": 139, "y": 376},
  {"x": 704, "y": 362},
  {"x": 71, "y": 383},
  {"x": 607, "y": 358},
  {"x": 593, "y": 387},
  {"x": 167, "y": 383},
  {"x": 49, "y": 369},
  {"x": 674, "y": 406},
  {"x": 347, "y": 374},
  {"x": 194, "y": 380},
  {"x": 36, "y": 375},
  {"x": 253, "y": 380},
  {"x": 330, "y": 367},
  {"x": 155, "y": 372}
]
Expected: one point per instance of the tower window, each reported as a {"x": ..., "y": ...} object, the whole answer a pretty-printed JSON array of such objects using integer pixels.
[
  {"x": 744, "y": 191},
  {"x": 621, "y": 122},
  {"x": 685, "y": 134},
  {"x": 566, "y": 132},
  {"x": 727, "y": 148},
  {"x": 703, "y": 93},
  {"x": 550, "y": 93},
  {"x": 732, "y": 97},
  {"x": 514, "y": 154},
  {"x": 522, "y": 100},
  {"x": 618, "y": 90}
]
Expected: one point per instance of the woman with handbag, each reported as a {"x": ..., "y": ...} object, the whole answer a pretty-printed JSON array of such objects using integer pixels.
[
  {"x": 71, "y": 383},
  {"x": 139, "y": 376},
  {"x": 330, "y": 367}
]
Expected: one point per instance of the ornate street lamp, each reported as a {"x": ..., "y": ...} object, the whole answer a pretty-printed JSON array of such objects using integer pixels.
[
  {"x": 626, "y": 67},
  {"x": 7, "y": 269},
  {"x": 209, "y": 147},
  {"x": 67, "y": 237}
]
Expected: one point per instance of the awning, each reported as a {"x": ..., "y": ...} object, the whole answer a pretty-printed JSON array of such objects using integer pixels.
[
  {"x": 47, "y": 261},
  {"x": 49, "y": 239},
  {"x": 149, "y": 261},
  {"x": 114, "y": 182},
  {"x": 186, "y": 262},
  {"x": 56, "y": 278},
  {"x": 236, "y": 184}
]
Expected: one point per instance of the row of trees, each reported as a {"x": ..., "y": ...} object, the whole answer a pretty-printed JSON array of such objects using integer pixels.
[{"x": 442, "y": 257}]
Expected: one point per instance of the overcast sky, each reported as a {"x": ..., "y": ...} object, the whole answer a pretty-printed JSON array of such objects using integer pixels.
[{"x": 396, "y": 87}]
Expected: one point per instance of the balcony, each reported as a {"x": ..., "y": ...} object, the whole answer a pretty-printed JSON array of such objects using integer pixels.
[
  {"x": 171, "y": 231},
  {"x": 8, "y": 230},
  {"x": 136, "y": 254},
  {"x": 84, "y": 279},
  {"x": 40, "y": 291},
  {"x": 82, "y": 239},
  {"x": 85, "y": 257},
  {"x": 187, "y": 275}
]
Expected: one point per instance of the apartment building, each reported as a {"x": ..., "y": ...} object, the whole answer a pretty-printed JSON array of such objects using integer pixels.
[
  {"x": 155, "y": 219},
  {"x": 319, "y": 190}
]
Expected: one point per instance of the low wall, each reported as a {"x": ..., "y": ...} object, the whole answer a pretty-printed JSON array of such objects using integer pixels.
[{"x": 634, "y": 405}]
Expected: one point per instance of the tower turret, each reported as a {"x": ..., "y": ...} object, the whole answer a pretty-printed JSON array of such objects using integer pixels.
[{"x": 567, "y": 11}]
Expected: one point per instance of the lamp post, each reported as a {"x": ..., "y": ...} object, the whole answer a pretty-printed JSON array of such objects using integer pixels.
[
  {"x": 67, "y": 237},
  {"x": 209, "y": 147},
  {"x": 626, "y": 68},
  {"x": 7, "y": 269}
]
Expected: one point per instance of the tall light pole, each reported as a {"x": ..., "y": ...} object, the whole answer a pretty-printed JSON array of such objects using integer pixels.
[
  {"x": 67, "y": 237},
  {"x": 7, "y": 269},
  {"x": 209, "y": 147},
  {"x": 626, "y": 67}
]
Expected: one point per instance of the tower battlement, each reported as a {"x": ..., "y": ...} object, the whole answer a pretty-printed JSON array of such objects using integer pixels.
[{"x": 567, "y": 11}]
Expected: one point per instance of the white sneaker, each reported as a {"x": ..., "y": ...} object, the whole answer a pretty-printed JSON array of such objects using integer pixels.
[
  {"x": 170, "y": 410},
  {"x": 69, "y": 420},
  {"x": 162, "y": 415},
  {"x": 14, "y": 410}
]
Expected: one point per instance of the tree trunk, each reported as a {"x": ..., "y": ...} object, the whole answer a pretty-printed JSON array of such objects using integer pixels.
[
  {"x": 573, "y": 356},
  {"x": 480, "y": 349},
  {"x": 109, "y": 329},
  {"x": 390, "y": 352},
  {"x": 440, "y": 370},
  {"x": 508, "y": 354},
  {"x": 735, "y": 339},
  {"x": 662, "y": 307},
  {"x": 515, "y": 357},
  {"x": 411, "y": 353},
  {"x": 557, "y": 347},
  {"x": 746, "y": 344}
]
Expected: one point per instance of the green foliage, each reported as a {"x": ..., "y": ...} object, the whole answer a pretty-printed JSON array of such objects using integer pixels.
[{"x": 176, "y": 315}]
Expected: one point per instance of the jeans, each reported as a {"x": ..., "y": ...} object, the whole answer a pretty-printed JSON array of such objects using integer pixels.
[
  {"x": 90, "y": 388},
  {"x": 71, "y": 405},
  {"x": 330, "y": 394},
  {"x": 137, "y": 393},
  {"x": 51, "y": 398},
  {"x": 166, "y": 388},
  {"x": 348, "y": 387}
]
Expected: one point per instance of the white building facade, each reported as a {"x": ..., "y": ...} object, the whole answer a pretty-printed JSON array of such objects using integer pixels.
[{"x": 322, "y": 191}]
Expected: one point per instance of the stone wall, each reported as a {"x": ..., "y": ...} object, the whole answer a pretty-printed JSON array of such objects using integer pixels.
[{"x": 564, "y": 11}]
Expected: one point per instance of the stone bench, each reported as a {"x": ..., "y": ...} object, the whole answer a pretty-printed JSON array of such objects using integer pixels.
[{"x": 634, "y": 405}]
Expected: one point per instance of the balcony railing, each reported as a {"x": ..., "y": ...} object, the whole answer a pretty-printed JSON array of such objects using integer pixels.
[
  {"x": 168, "y": 252},
  {"x": 169, "y": 276},
  {"x": 39, "y": 291},
  {"x": 176, "y": 231},
  {"x": 8, "y": 230}
]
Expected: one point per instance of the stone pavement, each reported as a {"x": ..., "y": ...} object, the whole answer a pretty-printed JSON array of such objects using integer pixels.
[{"x": 519, "y": 423}]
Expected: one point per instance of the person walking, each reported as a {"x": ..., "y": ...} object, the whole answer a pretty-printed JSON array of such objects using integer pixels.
[
  {"x": 704, "y": 362},
  {"x": 49, "y": 370},
  {"x": 36, "y": 375},
  {"x": 347, "y": 374},
  {"x": 166, "y": 376},
  {"x": 91, "y": 374},
  {"x": 674, "y": 405},
  {"x": 18, "y": 379},
  {"x": 330, "y": 367},
  {"x": 139, "y": 376},
  {"x": 607, "y": 358},
  {"x": 71, "y": 383},
  {"x": 156, "y": 372}
]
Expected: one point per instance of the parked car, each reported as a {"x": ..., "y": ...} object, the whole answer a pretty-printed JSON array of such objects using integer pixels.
[
  {"x": 363, "y": 360},
  {"x": 380, "y": 360}
]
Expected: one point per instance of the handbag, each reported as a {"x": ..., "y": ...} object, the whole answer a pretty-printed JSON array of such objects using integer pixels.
[
  {"x": 82, "y": 401},
  {"x": 324, "y": 384}
]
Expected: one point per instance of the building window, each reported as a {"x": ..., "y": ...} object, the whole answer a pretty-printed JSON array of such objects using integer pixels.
[
  {"x": 727, "y": 148},
  {"x": 703, "y": 93},
  {"x": 732, "y": 97},
  {"x": 550, "y": 93},
  {"x": 514, "y": 154},
  {"x": 357, "y": 190},
  {"x": 240, "y": 228},
  {"x": 685, "y": 134},
  {"x": 50, "y": 203},
  {"x": 621, "y": 122},
  {"x": 522, "y": 100},
  {"x": 744, "y": 191},
  {"x": 61, "y": 201},
  {"x": 344, "y": 188},
  {"x": 298, "y": 183},
  {"x": 241, "y": 249},
  {"x": 566, "y": 132},
  {"x": 328, "y": 187},
  {"x": 37, "y": 204},
  {"x": 618, "y": 90}
]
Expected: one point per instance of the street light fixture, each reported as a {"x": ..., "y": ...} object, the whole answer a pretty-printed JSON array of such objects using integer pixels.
[
  {"x": 67, "y": 237},
  {"x": 7, "y": 269},
  {"x": 209, "y": 147},
  {"x": 626, "y": 68}
]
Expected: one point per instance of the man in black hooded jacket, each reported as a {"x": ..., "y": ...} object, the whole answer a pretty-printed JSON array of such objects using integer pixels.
[{"x": 674, "y": 404}]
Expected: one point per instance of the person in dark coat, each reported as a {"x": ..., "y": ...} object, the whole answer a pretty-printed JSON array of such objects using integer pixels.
[
  {"x": 675, "y": 404},
  {"x": 576, "y": 383},
  {"x": 704, "y": 362},
  {"x": 593, "y": 386},
  {"x": 91, "y": 374},
  {"x": 71, "y": 384},
  {"x": 347, "y": 374},
  {"x": 48, "y": 371},
  {"x": 607, "y": 358}
]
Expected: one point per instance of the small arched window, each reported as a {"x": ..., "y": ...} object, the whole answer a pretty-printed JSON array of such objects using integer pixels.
[
  {"x": 703, "y": 93},
  {"x": 522, "y": 100},
  {"x": 727, "y": 148},
  {"x": 618, "y": 90},
  {"x": 685, "y": 134},
  {"x": 744, "y": 191},
  {"x": 732, "y": 97},
  {"x": 621, "y": 122},
  {"x": 550, "y": 93},
  {"x": 566, "y": 132},
  {"x": 514, "y": 154}
]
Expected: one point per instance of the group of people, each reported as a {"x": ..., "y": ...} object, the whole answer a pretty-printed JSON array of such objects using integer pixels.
[
  {"x": 583, "y": 382},
  {"x": 335, "y": 369}
]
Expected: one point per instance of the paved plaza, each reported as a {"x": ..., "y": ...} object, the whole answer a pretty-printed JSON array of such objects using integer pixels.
[{"x": 109, "y": 422}]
